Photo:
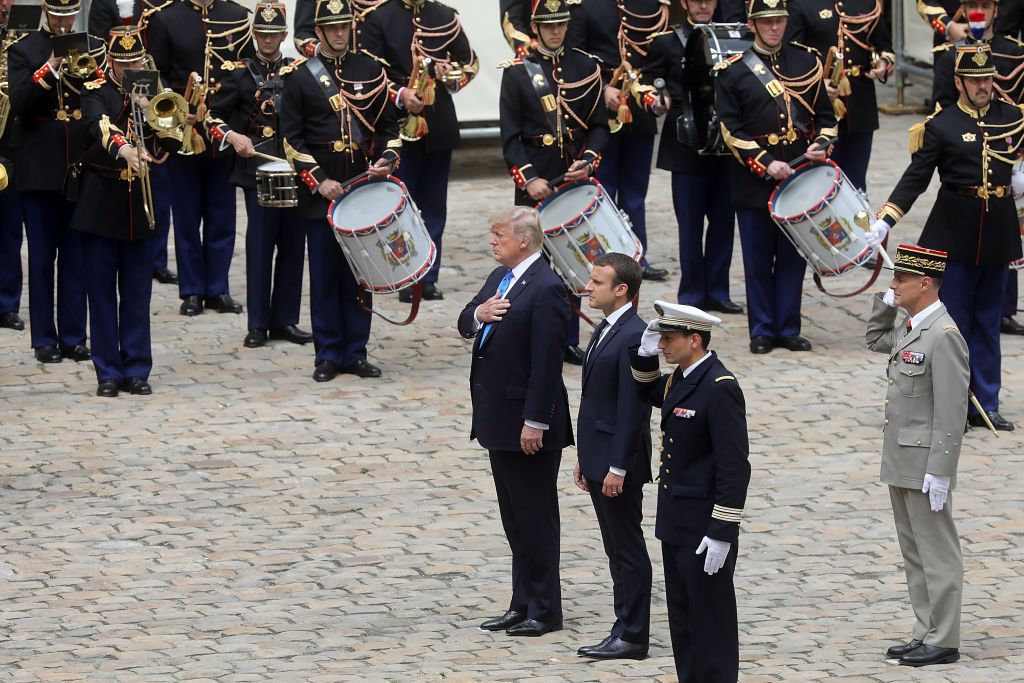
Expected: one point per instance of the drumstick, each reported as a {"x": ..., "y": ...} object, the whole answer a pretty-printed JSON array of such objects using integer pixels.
[
  {"x": 557, "y": 181},
  {"x": 861, "y": 219},
  {"x": 803, "y": 157},
  {"x": 270, "y": 157}
]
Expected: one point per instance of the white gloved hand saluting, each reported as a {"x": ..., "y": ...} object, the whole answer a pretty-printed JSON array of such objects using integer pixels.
[
  {"x": 878, "y": 232},
  {"x": 649, "y": 341},
  {"x": 889, "y": 298},
  {"x": 937, "y": 488},
  {"x": 717, "y": 552},
  {"x": 1017, "y": 182}
]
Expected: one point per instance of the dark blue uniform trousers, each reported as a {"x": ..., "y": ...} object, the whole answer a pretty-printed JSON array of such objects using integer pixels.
[
  {"x": 973, "y": 295},
  {"x": 1010, "y": 298},
  {"x": 704, "y": 260},
  {"x": 852, "y": 152},
  {"x": 50, "y": 241},
  {"x": 625, "y": 172},
  {"x": 202, "y": 194},
  {"x": 160, "y": 180},
  {"x": 119, "y": 277},
  {"x": 425, "y": 175},
  {"x": 273, "y": 286},
  {"x": 774, "y": 273},
  {"x": 341, "y": 327},
  {"x": 10, "y": 251}
]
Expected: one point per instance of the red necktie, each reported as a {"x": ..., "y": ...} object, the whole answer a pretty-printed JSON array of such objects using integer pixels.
[{"x": 908, "y": 324}]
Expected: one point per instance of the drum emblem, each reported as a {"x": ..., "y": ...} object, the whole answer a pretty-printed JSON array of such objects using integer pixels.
[
  {"x": 398, "y": 251},
  {"x": 836, "y": 232},
  {"x": 591, "y": 247}
]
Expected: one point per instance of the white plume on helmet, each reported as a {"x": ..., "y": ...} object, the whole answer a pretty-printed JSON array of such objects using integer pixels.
[{"x": 125, "y": 8}]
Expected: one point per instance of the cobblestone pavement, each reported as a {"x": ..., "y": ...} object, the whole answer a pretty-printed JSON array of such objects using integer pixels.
[{"x": 245, "y": 523}]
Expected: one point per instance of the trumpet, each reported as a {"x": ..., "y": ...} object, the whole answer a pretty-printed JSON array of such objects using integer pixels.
[
  {"x": 195, "y": 98},
  {"x": 167, "y": 111},
  {"x": 422, "y": 83},
  {"x": 79, "y": 64}
]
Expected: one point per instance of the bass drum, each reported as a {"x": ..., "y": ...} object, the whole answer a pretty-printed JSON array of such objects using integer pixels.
[{"x": 708, "y": 47}]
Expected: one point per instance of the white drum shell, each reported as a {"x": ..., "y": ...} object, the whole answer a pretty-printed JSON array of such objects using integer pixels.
[{"x": 1018, "y": 200}]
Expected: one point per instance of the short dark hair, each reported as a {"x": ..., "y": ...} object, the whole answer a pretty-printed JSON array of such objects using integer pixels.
[
  {"x": 705, "y": 338},
  {"x": 627, "y": 272}
]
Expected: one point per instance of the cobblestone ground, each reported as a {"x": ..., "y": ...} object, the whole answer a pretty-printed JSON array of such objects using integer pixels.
[{"x": 245, "y": 523}]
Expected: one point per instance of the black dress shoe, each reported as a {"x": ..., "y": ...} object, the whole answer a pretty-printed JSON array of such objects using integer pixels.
[
  {"x": 1010, "y": 326},
  {"x": 509, "y": 618},
  {"x": 191, "y": 305},
  {"x": 12, "y": 321},
  {"x": 255, "y": 339},
  {"x": 573, "y": 355},
  {"x": 138, "y": 386},
  {"x": 107, "y": 389},
  {"x": 616, "y": 648},
  {"x": 897, "y": 651},
  {"x": 362, "y": 368},
  {"x": 430, "y": 293},
  {"x": 48, "y": 354},
  {"x": 794, "y": 342},
  {"x": 532, "y": 628},
  {"x": 761, "y": 344},
  {"x": 292, "y": 334},
  {"x": 223, "y": 303},
  {"x": 165, "y": 276},
  {"x": 325, "y": 371},
  {"x": 724, "y": 306},
  {"x": 78, "y": 352},
  {"x": 655, "y": 274},
  {"x": 930, "y": 654},
  {"x": 998, "y": 421},
  {"x": 587, "y": 648}
]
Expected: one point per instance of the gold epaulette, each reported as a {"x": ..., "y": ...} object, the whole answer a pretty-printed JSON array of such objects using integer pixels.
[
  {"x": 731, "y": 59},
  {"x": 509, "y": 62},
  {"x": 1014, "y": 40},
  {"x": 942, "y": 47},
  {"x": 288, "y": 68},
  {"x": 584, "y": 52},
  {"x": 375, "y": 57},
  {"x": 231, "y": 66},
  {"x": 810, "y": 49},
  {"x": 916, "y": 131},
  {"x": 725, "y": 377},
  {"x": 12, "y": 41},
  {"x": 95, "y": 84}
]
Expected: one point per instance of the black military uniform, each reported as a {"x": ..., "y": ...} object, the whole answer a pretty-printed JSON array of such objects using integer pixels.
[
  {"x": 411, "y": 37},
  {"x": 11, "y": 230},
  {"x": 305, "y": 11},
  {"x": 940, "y": 13},
  {"x": 515, "y": 25},
  {"x": 760, "y": 125},
  {"x": 322, "y": 142}
]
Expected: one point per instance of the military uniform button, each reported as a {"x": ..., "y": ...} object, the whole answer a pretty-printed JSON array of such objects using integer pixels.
[
  {"x": 665, "y": 486},
  {"x": 671, "y": 440},
  {"x": 668, "y": 471},
  {"x": 669, "y": 456},
  {"x": 919, "y": 442},
  {"x": 890, "y": 382},
  {"x": 886, "y": 421}
]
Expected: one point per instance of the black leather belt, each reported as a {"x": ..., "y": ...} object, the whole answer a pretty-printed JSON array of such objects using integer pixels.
[
  {"x": 111, "y": 173},
  {"x": 547, "y": 140},
  {"x": 980, "y": 191},
  {"x": 333, "y": 146}
]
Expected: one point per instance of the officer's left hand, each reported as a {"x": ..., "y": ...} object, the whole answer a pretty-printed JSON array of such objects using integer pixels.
[
  {"x": 717, "y": 552},
  {"x": 815, "y": 153},
  {"x": 878, "y": 70},
  {"x": 410, "y": 102},
  {"x": 441, "y": 71},
  {"x": 580, "y": 170},
  {"x": 831, "y": 90},
  {"x": 611, "y": 98},
  {"x": 578, "y": 478},
  {"x": 380, "y": 169},
  {"x": 612, "y": 485},
  {"x": 937, "y": 488}
]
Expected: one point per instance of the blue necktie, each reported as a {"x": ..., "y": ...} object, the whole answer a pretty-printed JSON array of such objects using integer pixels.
[{"x": 502, "y": 288}]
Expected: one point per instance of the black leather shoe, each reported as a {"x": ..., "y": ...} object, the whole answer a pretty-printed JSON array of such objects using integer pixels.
[
  {"x": 617, "y": 648},
  {"x": 998, "y": 421},
  {"x": 930, "y": 654},
  {"x": 655, "y": 274},
  {"x": 191, "y": 305},
  {"x": 223, "y": 303},
  {"x": 531, "y": 628},
  {"x": 325, "y": 371},
  {"x": 362, "y": 368},
  {"x": 761, "y": 344},
  {"x": 573, "y": 355},
  {"x": 509, "y": 618},
  {"x": 78, "y": 352},
  {"x": 107, "y": 389},
  {"x": 48, "y": 354},
  {"x": 794, "y": 342},
  {"x": 582, "y": 652},
  {"x": 292, "y": 334},
  {"x": 1010, "y": 326},
  {"x": 165, "y": 276},
  {"x": 430, "y": 293},
  {"x": 255, "y": 339},
  {"x": 138, "y": 386},
  {"x": 897, "y": 651},
  {"x": 724, "y": 306},
  {"x": 12, "y": 321}
]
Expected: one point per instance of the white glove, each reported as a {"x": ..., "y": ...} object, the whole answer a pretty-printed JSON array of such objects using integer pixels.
[
  {"x": 717, "y": 552},
  {"x": 877, "y": 233},
  {"x": 1017, "y": 181},
  {"x": 889, "y": 298},
  {"x": 937, "y": 488},
  {"x": 649, "y": 341}
]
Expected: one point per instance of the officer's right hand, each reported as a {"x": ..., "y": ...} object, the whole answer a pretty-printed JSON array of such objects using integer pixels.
[
  {"x": 831, "y": 90},
  {"x": 242, "y": 144},
  {"x": 410, "y": 102},
  {"x": 578, "y": 478},
  {"x": 649, "y": 341},
  {"x": 54, "y": 61},
  {"x": 538, "y": 189},
  {"x": 330, "y": 189},
  {"x": 492, "y": 310},
  {"x": 879, "y": 231},
  {"x": 661, "y": 106},
  {"x": 779, "y": 170}
]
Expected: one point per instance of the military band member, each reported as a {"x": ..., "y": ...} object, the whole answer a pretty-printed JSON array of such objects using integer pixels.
[
  {"x": 515, "y": 26},
  {"x": 45, "y": 96},
  {"x": 948, "y": 19},
  {"x": 337, "y": 121},
  {"x": 245, "y": 116},
  {"x": 10, "y": 205},
  {"x": 305, "y": 34},
  {"x": 428, "y": 59},
  {"x": 700, "y": 184},
  {"x": 702, "y": 487},
  {"x": 973, "y": 145}
]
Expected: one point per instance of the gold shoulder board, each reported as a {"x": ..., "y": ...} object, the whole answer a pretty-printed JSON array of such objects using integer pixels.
[
  {"x": 725, "y": 377},
  {"x": 288, "y": 68},
  {"x": 96, "y": 84},
  {"x": 951, "y": 327},
  {"x": 509, "y": 62}
]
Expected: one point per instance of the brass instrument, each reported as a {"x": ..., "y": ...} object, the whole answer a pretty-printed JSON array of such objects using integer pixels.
[
  {"x": 5, "y": 90},
  {"x": 167, "y": 111},
  {"x": 422, "y": 83},
  {"x": 79, "y": 64},
  {"x": 195, "y": 98},
  {"x": 837, "y": 79},
  {"x": 137, "y": 138}
]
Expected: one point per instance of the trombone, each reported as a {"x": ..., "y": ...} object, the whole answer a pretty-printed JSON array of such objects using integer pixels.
[{"x": 138, "y": 139}]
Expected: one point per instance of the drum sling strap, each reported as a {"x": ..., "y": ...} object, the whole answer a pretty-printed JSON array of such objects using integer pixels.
[
  {"x": 330, "y": 87},
  {"x": 548, "y": 103},
  {"x": 867, "y": 285}
]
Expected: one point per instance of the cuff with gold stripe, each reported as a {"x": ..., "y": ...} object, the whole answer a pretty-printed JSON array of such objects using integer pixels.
[
  {"x": 890, "y": 213},
  {"x": 522, "y": 175},
  {"x": 727, "y": 514},
  {"x": 646, "y": 376},
  {"x": 39, "y": 77},
  {"x": 312, "y": 177},
  {"x": 759, "y": 164}
]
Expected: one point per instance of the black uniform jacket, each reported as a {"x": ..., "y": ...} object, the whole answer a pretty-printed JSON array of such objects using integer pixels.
[
  {"x": 321, "y": 142},
  {"x": 1008, "y": 58},
  {"x": 970, "y": 229},
  {"x": 304, "y": 23},
  {"x": 103, "y": 16},
  {"x": 517, "y": 374},
  {"x": 614, "y": 425},
  {"x": 515, "y": 25},
  {"x": 702, "y": 483},
  {"x": 755, "y": 124},
  {"x": 387, "y": 33},
  {"x": 938, "y": 13}
]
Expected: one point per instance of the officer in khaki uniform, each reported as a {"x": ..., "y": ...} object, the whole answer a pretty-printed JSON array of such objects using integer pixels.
[{"x": 925, "y": 412}]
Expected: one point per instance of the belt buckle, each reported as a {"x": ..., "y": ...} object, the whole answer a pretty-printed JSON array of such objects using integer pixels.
[
  {"x": 338, "y": 146},
  {"x": 547, "y": 139},
  {"x": 61, "y": 115},
  {"x": 773, "y": 139},
  {"x": 268, "y": 132},
  {"x": 981, "y": 192}
]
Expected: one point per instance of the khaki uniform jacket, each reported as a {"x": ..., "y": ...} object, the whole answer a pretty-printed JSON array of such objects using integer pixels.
[{"x": 926, "y": 402}]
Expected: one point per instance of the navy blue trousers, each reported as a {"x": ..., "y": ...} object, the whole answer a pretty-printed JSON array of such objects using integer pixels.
[
  {"x": 974, "y": 296},
  {"x": 774, "y": 273},
  {"x": 52, "y": 243},
  {"x": 273, "y": 287},
  {"x": 119, "y": 277},
  {"x": 1010, "y": 298},
  {"x": 341, "y": 327},
  {"x": 625, "y": 172},
  {"x": 161, "y": 182},
  {"x": 704, "y": 260},
  {"x": 202, "y": 195},
  {"x": 11, "y": 232},
  {"x": 425, "y": 175},
  {"x": 852, "y": 152}
]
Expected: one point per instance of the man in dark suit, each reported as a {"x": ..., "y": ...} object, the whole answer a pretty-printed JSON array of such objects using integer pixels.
[
  {"x": 614, "y": 437},
  {"x": 520, "y": 320}
]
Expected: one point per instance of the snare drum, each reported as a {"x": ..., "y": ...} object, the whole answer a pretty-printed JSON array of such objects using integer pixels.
[
  {"x": 580, "y": 224},
  {"x": 275, "y": 185},
  {"x": 382, "y": 234},
  {"x": 1018, "y": 200},
  {"x": 815, "y": 208}
]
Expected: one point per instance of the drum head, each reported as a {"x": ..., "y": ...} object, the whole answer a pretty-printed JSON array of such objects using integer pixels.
[
  {"x": 367, "y": 204},
  {"x": 275, "y": 167},
  {"x": 803, "y": 191},
  {"x": 709, "y": 45},
  {"x": 568, "y": 205}
]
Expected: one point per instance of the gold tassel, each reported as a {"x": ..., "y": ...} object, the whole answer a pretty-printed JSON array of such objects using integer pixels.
[
  {"x": 413, "y": 128},
  {"x": 429, "y": 93},
  {"x": 844, "y": 86},
  {"x": 839, "y": 108},
  {"x": 624, "y": 115},
  {"x": 916, "y": 137}
]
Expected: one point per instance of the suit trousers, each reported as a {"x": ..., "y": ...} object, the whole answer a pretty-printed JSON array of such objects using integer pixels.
[
  {"x": 52, "y": 242},
  {"x": 527, "y": 488},
  {"x": 933, "y": 563},
  {"x": 341, "y": 326},
  {"x": 160, "y": 180},
  {"x": 701, "y": 616},
  {"x": 1010, "y": 299},
  {"x": 774, "y": 276},
  {"x": 704, "y": 259},
  {"x": 625, "y": 172},
  {"x": 273, "y": 287},
  {"x": 852, "y": 153},
  {"x": 425, "y": 175},
  {"x": 973, "y": 295},
  {"x": 119, "y": 279},
  {"x": 201, "y": 194},
  {"x": 622, "y": 533},
  {"x": 11, "y": 232}
]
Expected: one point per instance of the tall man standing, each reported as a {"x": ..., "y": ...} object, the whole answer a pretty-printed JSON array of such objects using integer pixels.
[
  {"x": 519, "y": 321},
  {"x": 925, "y": 407},
  {"x": 11, "y": 230}
]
